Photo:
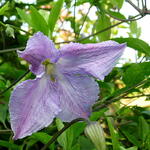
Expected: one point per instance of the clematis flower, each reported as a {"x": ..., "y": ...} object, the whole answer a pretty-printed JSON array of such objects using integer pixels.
[{"x": 64, "y": 86}]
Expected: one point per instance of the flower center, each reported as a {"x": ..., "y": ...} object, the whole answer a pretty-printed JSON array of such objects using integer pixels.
[{"x": 49, "y": 69}]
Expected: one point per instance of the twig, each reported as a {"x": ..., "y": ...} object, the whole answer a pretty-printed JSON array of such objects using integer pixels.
[
  {"x": 130, "y": 19},
  {"x": 11, "y": 49},
  {"x": 81, "y": 39},
  {"x": 145, "y": 4},
  {"x": 3, "y": 38},
  {"x": 108, "y": 101},
  {"x": 16, "y": 28},
  {"x": 85, "y": 18},
  {"x": 75, "y": 18},
  {"x": 57, "y": 134},
  {"x": 15, "y": 82},
  {"x": 134, "y": 6},
  {"x": 142, "y": 95},
  {"x": 5, "y": 131}
]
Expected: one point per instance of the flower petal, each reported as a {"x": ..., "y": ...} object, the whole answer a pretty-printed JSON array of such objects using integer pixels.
[
  {"x": 77, "y": 94},
  {"x": 39, "y": 47},
  {"x": 33, "y": 105},
  {"x": 92, "y": 59}
]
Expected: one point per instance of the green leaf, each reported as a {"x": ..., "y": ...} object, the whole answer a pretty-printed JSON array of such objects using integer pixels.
[
  {"x": 114, "y": 135},
  {"x": 96, "y": 115},
  {"x": 42, "y": 137},
  {"x": 3, "y": 113},
  {"x": 78, "y": 128},
  {"x": 118, "y": 15},
  {"x": 62, "y": 140},
  {"x": 129, "y": 131},
  {"x": 136, "y": 73},
  {"x": 4, "y": 8},
  {"x": 24, "y": 16},
  {"x": 143, "y": 129},
  {"x": 135, "y": 30},
  {"x": 136, "y": 44},
  {"x": 76, "y": 147},
  {"x": 38, "y": 21},
  {"x": 117, "y": 3},
  {"x": 85, "y": 143},
  {"x": 102, "y": 23},
  {"x": 54, "y": 15},
  {"x": 66, "y": 138},
  {"x": 133, "y": 27},
  {"x": 132, "y": 148},
  {"x": 9, "y": 31},
  {"x": 9, "y": 145}
]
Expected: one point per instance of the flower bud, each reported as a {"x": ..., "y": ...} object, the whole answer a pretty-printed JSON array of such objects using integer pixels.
[{"x": 95, "y": 132}]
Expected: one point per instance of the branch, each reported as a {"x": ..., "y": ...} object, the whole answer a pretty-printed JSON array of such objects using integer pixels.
[
  {"x": 134, "y": 6},
  {"x": 1, "y": 93},
  {"x": 124, "y": 20},
  {"x": 110, "y": 100},
  {"x": 108, "y": 28},
  {"x": 85, "y": 18},
  {"x": 5, "y": 131},
  {"x": 11, "y": 49},
  {"x": 57, "y": 134},
  {"x": 142, "y": 95},
  {"x": 16, "y": 28},
  {"x": 81, "y": 39},
  {"x": 75, "y": 18}
]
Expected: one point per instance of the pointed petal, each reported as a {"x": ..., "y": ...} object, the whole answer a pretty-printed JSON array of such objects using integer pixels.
[
  {"x": 39, "y": 47},
  {"x": 77, "y": 94},
  {"x": 92, "y": 59},
  {"x": 33, "y": 105}
]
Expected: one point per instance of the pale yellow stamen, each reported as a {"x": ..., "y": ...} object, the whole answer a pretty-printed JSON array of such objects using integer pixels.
[{"x": 49, "y": 69}]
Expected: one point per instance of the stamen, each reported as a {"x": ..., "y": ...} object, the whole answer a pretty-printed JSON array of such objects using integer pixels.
[{"x": 49, "y": 69}]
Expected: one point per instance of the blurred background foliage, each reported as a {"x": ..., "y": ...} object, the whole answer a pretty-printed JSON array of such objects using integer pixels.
[{"x": 123, "y": 106}]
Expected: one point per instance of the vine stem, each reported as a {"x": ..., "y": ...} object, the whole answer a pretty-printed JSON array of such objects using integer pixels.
[
  {"x": 15, "y": 82},
  {"x": 57, "y": 134},
  {"x": 81, "y": 39},
  {"x": 110, "y": 100},
  {"x": 15, "y": 27},
  {"x": 85, "y": 19}
]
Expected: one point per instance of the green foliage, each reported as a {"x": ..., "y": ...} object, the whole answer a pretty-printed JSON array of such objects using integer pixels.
[
  {"x": 4, "y": 8},
  {"x": 135, "y": 73},
  {"x": 126, "y": 127},
  {"x": 54, "y": 15},
  {"x": 136, "y": 44},
  {"x": 38, "y": 22},
  {"x": 114, "y": 135},
  {"x": 102, "y": 23},
  {"x": 9, "y": 145},
  {"x": 135, "y": 30},
  {"x": 24, "y": 16},
  {"x": 117, "y": 3},
  {"x": 117, "y": 15}
]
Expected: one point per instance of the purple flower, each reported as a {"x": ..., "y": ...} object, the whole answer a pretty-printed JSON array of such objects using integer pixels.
[{"x": 64, "y": 86}]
